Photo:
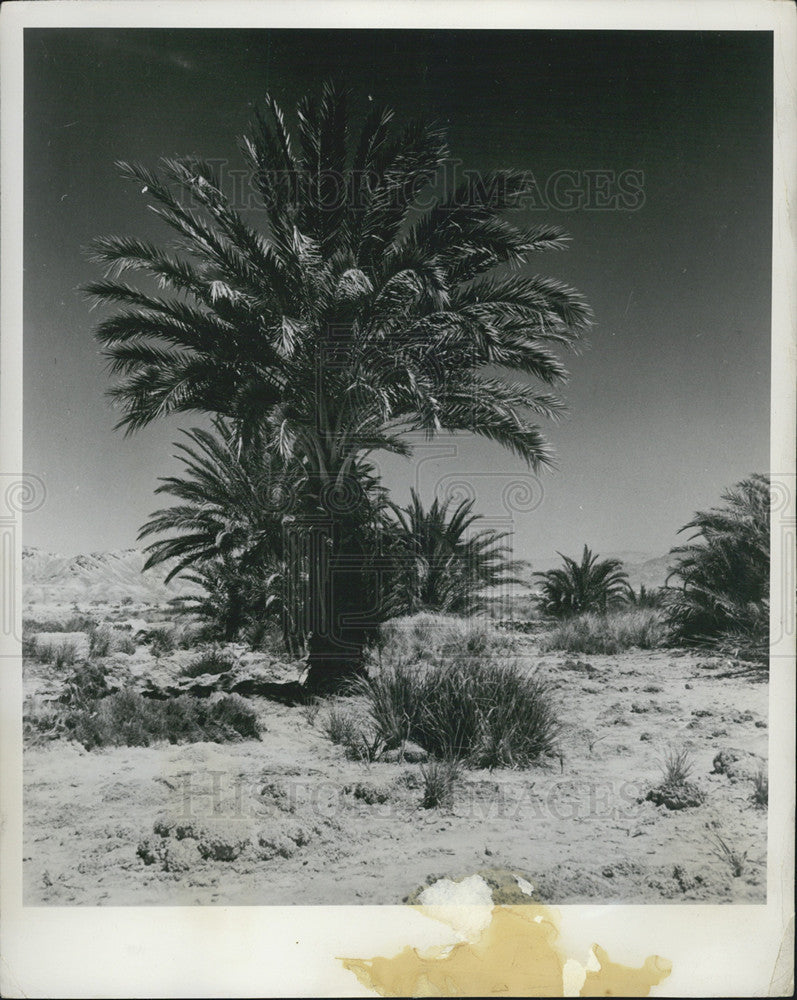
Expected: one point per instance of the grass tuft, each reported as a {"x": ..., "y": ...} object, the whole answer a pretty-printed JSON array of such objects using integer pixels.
[
  {"x": 440, "y": 778},
  {"x": 609, "y": 633},
  {"x": 761, "y": 790},
  {"x": 733, "y": 858},
  {"x": 677, "y": 767},
  {"x": 213, "y": 661},
  {"x": 479, "y": 711}
]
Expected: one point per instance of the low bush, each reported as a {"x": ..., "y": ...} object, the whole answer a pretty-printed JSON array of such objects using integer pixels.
[
  {"x": 79, "y": 623},
  {"x": 100, "y": 642},
  {"x": 63, "y": 655},
  {"x": 87, "y": 683},
  {"x": 609, "y": 633},
  {"x": 212, "y": 661},
  {"x": 483, "y": 712},
  {"x": 126, "y": 718},
  {"x": 160, "y": 640},
  {"x": 428, "y": 638},
  {"x": 126, "y": 644}
]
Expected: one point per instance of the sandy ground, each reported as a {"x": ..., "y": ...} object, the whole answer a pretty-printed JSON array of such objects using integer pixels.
[{"x": 289, "y": 819}]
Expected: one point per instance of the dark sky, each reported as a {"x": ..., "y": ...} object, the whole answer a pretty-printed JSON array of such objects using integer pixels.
[{"x": 668, "y": 407}]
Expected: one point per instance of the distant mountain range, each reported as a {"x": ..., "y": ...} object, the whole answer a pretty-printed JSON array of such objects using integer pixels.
[
  {"x": 98, "y": 576},
  {"x": 113, "y": 576}
]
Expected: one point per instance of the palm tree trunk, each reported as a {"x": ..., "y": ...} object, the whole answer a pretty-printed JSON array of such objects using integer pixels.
[{"x": 337, "y": 615}]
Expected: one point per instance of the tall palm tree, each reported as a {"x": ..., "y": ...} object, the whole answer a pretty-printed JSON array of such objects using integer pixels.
[
  {"x": 362, "y": 309},
  {"x": 592, "y": 585},
  {"x": 724, "y": 572},
  {"x": 439, "y": 566}
]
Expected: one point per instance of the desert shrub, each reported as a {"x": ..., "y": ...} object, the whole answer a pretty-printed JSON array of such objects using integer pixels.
[
  {"x": 64, "y": 655},
  {"x": 126, "y": 644},
  {"x": 349, "y": 729},
  {"x": 232, "y": 713},
  {"x": 187, "y": 634},
  {"x": 724, "y": 573},
  {"x": 439, "y": 781},
  {"x": 87, "y": 683},
  {"x": 609, "y": 633},
  {"x": 42, "y": 720},
  {"x": 311, "y": 709},
  {"x": 212, "y": 661},
  {"x": 369, "y": 793},
  {"x": 160, "y": 640},
  {"x": 100, "y": 642},
  {"x": 484, "y": 712},
  {"x": 676, "y": 791},
  {"x": 340, "y": 725},
  {"x": 79, "y": 622},
  {"x": 126, "y": 718},
  {"x": 428, "y": 637},
  {"x": 761, "y": 789},
  {"x": 36, "y": 625},
  {"x": 592, "y": 585},
  {"x": 30, "y": 646}
]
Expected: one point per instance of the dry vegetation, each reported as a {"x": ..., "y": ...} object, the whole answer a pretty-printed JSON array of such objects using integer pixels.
[{"x": 468, "y": 747}]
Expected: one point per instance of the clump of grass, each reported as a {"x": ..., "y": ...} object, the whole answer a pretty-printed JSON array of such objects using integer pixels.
[
  {"x": 483, "y": 712},
  {"x": 676, "y": 791},
  {"x": 439, "y": 781},
  {"x": 428, "y": 637},
  {"x": 100, "y": 642},
  {"x": 678, "y": 766},
  {"x": 311, "y": 709},
  {"x": 161, "y": 641},
  {"x": 340, "y": 725},
  {"x": 87, "y": 683},
  {"x": 30, "y": 646},
  {"x": 610, "y": 633},
  {"x": 64, "y": 655},
  {"x": 349, "y": 730},
  {"x": 732, "y": 857},
  {"x": 78, "y": 623},
  {"x": 212, "y": 661},
  {"x": 126, "y": 718},
  {"x": 126, "y": 644},
  {"x": 761, "y": 789}
]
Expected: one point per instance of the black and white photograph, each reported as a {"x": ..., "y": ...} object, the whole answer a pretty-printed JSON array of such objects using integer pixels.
[{"x": 400, "y": 500}]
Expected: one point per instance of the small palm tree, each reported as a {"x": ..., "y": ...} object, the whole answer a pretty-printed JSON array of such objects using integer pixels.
[
  {"x": 724, "y": 577},
  {"x": 233, "y": 501},
  {"x": 646, "y": 597},
  {"x": 363, "y": 309},
  {"x": 438, "y": 565},
  {"x": 592, "y": 585},
  {"x": 226, "y": 534}
]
